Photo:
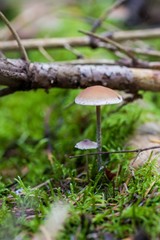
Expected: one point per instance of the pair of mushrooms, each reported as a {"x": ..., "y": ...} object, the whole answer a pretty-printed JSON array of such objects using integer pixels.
[{"x": 96, "y": 96}]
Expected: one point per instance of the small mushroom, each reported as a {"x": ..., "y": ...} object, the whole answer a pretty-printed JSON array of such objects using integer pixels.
[
  {"x": 97, "y": 96},
  {"x": 86, "y": 144}
]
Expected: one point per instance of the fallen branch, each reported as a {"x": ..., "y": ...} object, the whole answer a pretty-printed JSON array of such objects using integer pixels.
[
  {"x": 47, "y": 43},
  {"x": 121, "y": 62},
  {"x": 139, "y": 150},
  {"x": 18, "y": 75},
  {"x": 110, "y": 41},
  {"x": 20, "y": 45},
  {"x": 79, "y": 41},
  {"x": 104, "y": 15}
]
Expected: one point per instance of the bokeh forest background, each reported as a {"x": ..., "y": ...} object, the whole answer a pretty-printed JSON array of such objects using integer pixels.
[{"x": 39, "y": 129}]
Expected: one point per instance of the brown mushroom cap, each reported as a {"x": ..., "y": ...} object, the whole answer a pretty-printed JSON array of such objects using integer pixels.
[{"x": 98, "y": 95}]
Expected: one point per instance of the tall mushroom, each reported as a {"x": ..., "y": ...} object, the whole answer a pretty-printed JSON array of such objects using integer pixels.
[{"x": 97, "y": 96}]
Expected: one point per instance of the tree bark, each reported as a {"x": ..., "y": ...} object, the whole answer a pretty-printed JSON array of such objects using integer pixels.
[{"x": 19, "y": 75}]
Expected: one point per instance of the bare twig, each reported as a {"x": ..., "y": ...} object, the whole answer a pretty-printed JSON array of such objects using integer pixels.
[
  {"x": 74, "y": 51},
  {"x": 46, "y": 43},
  {"x": 139, "y": 64},
  {"x": 21, "y": 47},
  {"x": 121, "y": 62},
  {"x": 45, "y": 54},
  {"x": 89, "y": 61},
  {"x": 149, "y": 189},
  {"x": 42, "y": 184},
  {"x": 145, "y": 52},
  {"x": 110, "y": 41},
  {"x": 117, "y": 152},
  {"x": 104, "y": 15},
  {"x": 136, "y": 34},
  {"x": 80, "y": 41},
  {"x": 73, "y": 42},
  {"x": 126, "y": 101}
]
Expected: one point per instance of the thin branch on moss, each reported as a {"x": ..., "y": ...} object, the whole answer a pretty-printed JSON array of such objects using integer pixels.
[
  {"x": 104, "y": 15},
  {"x": 43, "y": 184},
  {"x": 136, "y": 34},
  {"x": 149, "y": 189},
  {"x": 140, "y": 64},
  {"x": 137, "y": 51},
  {"x": 21, "y": 47},
  {"x": 121, "y": 62},
  {"x": 145, "y": 52},
  {"x": 45, "y": 54},
  {"x": 72, "y": 42},
  {"x": 74, "y": 51},
  {"x": 110, "y": 41},
  {"x": 139, "y": 150},
  {"x": 89, "y": 61},
  {"x": 126, "y": 101}
]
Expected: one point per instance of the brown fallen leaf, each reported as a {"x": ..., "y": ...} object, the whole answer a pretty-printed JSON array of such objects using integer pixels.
[{"x": 147, "y": 135}]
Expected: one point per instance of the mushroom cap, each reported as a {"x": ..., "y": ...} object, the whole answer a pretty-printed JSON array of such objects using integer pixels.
[
  {"x": 98, "y": 95},
  {"x": 86, "y": 144}
]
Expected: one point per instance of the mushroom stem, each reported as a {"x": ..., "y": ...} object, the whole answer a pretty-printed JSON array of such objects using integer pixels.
[{"x": 99, "y": 134}]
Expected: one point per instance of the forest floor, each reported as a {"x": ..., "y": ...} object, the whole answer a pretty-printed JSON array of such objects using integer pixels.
[{"x": 44, "y": 192}]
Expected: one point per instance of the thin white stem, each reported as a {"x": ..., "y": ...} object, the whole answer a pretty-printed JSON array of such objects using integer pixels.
[
  {"x": 99, "y": 134},
  {"x": 87, "y": 168}
]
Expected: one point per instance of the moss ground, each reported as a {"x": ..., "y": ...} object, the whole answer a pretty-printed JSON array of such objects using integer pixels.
[{"x": 38, "y": 132}]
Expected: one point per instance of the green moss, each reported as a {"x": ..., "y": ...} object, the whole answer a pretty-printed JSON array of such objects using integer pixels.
[{"x": 32, "y": 180}]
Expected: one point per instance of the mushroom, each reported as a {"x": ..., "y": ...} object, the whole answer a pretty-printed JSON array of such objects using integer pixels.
[
  {"x": 86, "y": 144},
  {"x": 97, "y": 96}
]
